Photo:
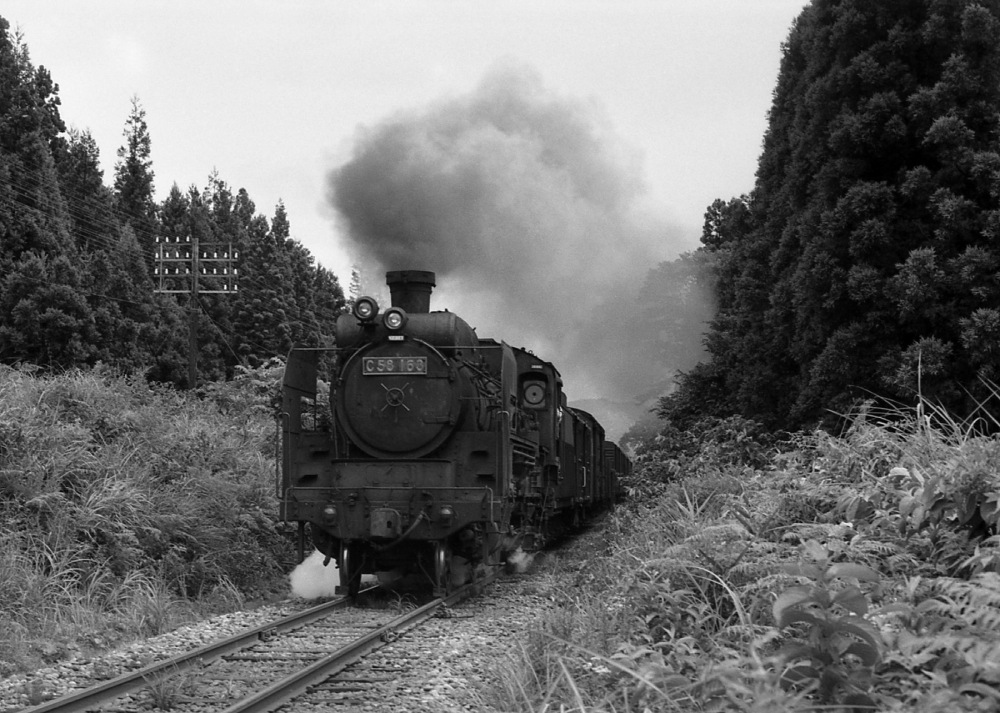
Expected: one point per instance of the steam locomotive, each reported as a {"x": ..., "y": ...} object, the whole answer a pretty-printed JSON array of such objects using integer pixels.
[{"x": 435, "y": 451}]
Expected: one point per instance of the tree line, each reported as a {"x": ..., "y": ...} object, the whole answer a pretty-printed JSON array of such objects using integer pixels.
[
  {"x": 77, "y": 256},
  {"x": 865, "y": 262}
]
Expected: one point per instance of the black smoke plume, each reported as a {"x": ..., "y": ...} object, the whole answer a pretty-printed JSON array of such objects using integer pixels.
[{"x": 527, "y": 208}]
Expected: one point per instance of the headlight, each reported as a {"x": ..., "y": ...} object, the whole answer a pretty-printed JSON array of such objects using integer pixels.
[
  {"x": 365, "y": 308},
  {"x": 534, "y": 392},
  {"x": 394, "y": 319}
]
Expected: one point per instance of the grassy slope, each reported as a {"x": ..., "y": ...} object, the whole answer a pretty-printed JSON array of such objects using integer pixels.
[
  {"x": 126, "y": 510},
  {"x": 845, "y": 574}
]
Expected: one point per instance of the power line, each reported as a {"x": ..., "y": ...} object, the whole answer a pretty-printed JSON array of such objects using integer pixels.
[
  {"x": 76, "y": 206},
  {"x": 89, "y": 215}
]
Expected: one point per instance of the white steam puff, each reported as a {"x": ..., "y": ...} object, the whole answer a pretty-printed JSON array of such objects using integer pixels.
[
  {"x": 311, "y": 580},
  {"x": 526, "y": 207}
]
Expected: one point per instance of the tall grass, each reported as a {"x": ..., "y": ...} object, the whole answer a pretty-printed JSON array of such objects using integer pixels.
[
  {"x": 126, "y": 508},
  {"x": 737, "y": 588}
]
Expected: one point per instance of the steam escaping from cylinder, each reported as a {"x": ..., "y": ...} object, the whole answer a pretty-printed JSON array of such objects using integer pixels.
[
  {"x": 519, "y": 560},
  {"x": 529, "y": 210},
  {"x": 311, "y": 580}
]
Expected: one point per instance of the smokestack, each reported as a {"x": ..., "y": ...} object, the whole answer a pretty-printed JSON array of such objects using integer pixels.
[{"x": 411, "y": 290}]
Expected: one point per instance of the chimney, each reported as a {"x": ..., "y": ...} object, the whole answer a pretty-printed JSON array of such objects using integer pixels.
[{"x": 411, "y": 290}]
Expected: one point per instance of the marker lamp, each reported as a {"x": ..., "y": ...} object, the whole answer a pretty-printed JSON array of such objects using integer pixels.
[
  {"x": 394, "y": 319},
  {"x": 365, "y": 308}
]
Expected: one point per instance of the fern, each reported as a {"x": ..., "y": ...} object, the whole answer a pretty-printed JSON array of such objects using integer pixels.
[
  {"x": 951, "y": 636},
  {"x": 801, "y": 532},
  {"x": 975, "y": 602}
]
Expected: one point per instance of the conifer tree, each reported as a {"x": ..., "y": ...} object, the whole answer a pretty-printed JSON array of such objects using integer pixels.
[
  {"x": 133, "y": 184},
  {"x": 44, "y": 319},
  {"x": 869, "y": 262}
]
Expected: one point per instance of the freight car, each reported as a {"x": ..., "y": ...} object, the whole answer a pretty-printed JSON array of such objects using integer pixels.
[{"x": 434, "y": 451}]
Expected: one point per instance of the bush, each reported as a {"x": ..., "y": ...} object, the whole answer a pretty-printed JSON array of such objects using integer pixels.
[
  {"x": 119, "y": 500},
  {"x": 789, "y": 573}
]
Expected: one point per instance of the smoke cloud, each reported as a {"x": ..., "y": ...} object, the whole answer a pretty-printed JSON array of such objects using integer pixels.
[{"x": 528, "y": 209}]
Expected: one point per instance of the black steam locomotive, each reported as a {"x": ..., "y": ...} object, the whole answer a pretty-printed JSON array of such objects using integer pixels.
[{"x": 439, "y": 452}]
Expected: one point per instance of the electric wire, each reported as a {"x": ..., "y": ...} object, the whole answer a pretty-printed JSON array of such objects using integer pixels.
[{"x": 85, "y": 214}]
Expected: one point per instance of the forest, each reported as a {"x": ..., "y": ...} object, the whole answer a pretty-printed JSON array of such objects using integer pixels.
[
  {"x": 80, "y": 281},
  {"x": 863, "y": 264}
]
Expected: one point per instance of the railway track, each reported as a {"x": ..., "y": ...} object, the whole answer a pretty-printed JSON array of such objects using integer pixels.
[{"x": 264, "y": 667}]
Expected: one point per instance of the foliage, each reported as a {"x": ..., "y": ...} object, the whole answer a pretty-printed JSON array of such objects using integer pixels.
[
  {"x": 818, "y": 572},
  {"x": 837, "y": 649},
  {"x": 133, "y": 185},
  {"x": 864, "y": 260},
  {"x": 674, "y": 453},
  {"x": 77, "y": 257},
  {"x": 123, "y": 503}
]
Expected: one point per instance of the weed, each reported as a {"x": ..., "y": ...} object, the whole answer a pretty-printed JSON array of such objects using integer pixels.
[
  {"x": 121, "y": 501},
  {"x": 833, "y": 649},
  {"x": 168, "y": 689},
  {"x": 36, "y": 691}
]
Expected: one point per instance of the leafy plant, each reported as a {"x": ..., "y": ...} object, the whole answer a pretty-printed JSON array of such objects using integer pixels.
[
  {"x": 947, "y": 637},
  {"x": 833, "y": 649}
]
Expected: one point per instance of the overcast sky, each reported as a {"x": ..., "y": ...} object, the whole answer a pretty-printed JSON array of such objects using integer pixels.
[{"x": 272, "y": 94}]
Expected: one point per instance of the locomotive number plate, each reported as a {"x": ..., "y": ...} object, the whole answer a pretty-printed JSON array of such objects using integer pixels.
[{"x": 377, "y": 366}]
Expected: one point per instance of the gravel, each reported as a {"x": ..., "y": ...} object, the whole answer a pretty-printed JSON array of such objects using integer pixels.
[
  {"x": 450, "y": 665},
  {"x": 23, "y": 690}
]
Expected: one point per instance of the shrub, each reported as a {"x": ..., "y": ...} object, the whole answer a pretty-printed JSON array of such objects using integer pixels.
[{"x": 119, "y": 500}]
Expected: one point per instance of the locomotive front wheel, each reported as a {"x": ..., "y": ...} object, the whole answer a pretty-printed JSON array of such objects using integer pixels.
[
  {"x": 349, "y": 564},
  {"x": 442, "y": 569}
]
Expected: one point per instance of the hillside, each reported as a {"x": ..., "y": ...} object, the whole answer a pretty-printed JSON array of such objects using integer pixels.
[
  {"x": 127, "y": 508},
  {"x": 851, "y": 573}
]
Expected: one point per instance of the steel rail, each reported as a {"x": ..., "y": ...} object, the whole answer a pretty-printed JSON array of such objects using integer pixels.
[
  {"x": 298, "y": 683},
  {"x": 126, "y": 683}
]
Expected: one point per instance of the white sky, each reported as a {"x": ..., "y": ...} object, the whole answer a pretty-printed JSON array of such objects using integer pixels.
[{"x": 270, "y": 94}]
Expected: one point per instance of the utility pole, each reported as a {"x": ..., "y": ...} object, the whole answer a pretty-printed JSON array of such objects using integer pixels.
[{"x": 192, "y": 268}]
